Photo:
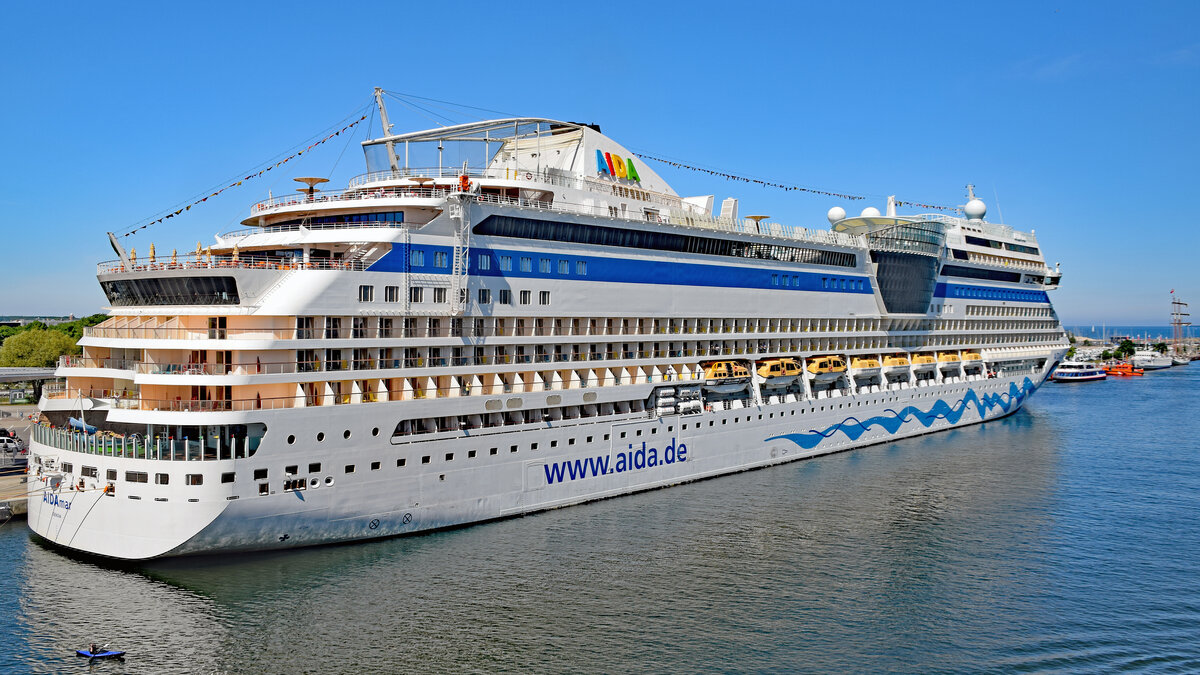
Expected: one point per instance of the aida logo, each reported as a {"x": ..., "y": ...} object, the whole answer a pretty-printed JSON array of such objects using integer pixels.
[{"x": 616, "y": 166}]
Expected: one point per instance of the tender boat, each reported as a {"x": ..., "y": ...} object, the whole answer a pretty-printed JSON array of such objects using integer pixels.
[
  {"x": 865, "y": 365},
  {"x": 825, "y": 368},
  {"x": 1078, "y": 371},
  {"x": 726, "y": 376},
  {"x": 779, "y": 372},
  {"x": 923, "y": 362},
  {"x": 896, "y": 362}
]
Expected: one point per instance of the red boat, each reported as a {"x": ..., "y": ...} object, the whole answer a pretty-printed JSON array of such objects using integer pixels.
[{"x": 1123, "y": 370}]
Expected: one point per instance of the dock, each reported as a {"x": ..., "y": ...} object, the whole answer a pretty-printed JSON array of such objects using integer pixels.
[{"x": 13, "y": 492}]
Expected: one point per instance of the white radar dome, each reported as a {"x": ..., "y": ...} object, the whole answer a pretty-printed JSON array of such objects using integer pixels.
[
  {"x": 870, "y": 212},
  {"x": 835, "y": 214},
  {"x": 975, "y": 209}
]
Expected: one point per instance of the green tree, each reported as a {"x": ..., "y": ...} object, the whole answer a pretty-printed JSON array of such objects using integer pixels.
[
  {"x": 36, "y": 349},
  {"x": 1106, "y": 355},
  {"x": 1160, "y": 347},
  {"x": 1126, "y": 348}
]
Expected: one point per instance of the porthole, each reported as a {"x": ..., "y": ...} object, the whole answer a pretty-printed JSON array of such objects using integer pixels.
[
  {"x": 329, "y": 480},
  {"x": 346, "y": 434},
  {"x": 315, "y": 482},
  {"x": 291, "y": 440},
  {"x": 375, "y": 431},
  {"x": 320, "y": 436}
]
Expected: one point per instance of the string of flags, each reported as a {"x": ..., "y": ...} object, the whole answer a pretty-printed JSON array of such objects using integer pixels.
[
  {"x": 781, "y": 186},
  {"x": 278, "y": 164}
]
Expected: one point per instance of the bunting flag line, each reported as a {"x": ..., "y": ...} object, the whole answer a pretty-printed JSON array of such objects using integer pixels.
[
  {"x": 782, "y": 186},
  {"x": 252, "y": 176}
]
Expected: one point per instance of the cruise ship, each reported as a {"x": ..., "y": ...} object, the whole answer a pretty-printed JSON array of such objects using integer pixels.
[{"x": 504, "y": 317}]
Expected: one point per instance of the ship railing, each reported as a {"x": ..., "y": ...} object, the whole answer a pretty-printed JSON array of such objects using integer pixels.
[
  {"x": 390, "y": 192},
  {"x": 56, "y": 391},
  {"x": 134, "y": 446},
  {"x": 90, "y": 362},
  {"x": 202, "y": 261},
  {"x": 297, "y": 227},
  {"x": 177, "y": 333}
]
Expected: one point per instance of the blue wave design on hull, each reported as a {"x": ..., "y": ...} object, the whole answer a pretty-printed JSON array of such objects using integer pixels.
[{"x": 854, "y": 428}]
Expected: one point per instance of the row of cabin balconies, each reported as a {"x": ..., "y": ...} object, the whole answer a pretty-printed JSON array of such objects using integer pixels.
[
  {"x": 331, "y": 328},
  {"x": 333, "y": 359}
]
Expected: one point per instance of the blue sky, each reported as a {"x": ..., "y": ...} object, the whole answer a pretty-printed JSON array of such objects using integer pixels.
[{"x": 1077, "y": 120}]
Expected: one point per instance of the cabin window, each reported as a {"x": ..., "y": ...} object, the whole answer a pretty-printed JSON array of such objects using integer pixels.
[
  {"x": 525, "y": 297},
  {"x": 564, "y": 267},
  {"x": 227, "y": 477},
  {"x": 544, "y": 298},
  {"x": 89, "y": 471},
  {"x": 137, "y": 477},
  {"x": 366, "y": 293},
  {"x": 391, "y": 294},
  {"x": 581, "y": 268},
  {"x": 440, "y": 259},
  {"x": 526, "y": 264},
  {"x": 506, "y": 263},
  {"x": 504, "y": 296},
  {"x": 416, "y": 258},
  {"x": 544, "y": 265},
  {"x": 485, "y": 261},
  {"x": 416, "y": 294},
  {"x": 193, "y": 479},
  {"x": 485, "y": 296},
  {"x": 162, "y": 479}
]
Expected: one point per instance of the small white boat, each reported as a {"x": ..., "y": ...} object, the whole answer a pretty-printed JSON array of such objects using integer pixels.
[
  {"x": 1078, "y": 371},
  {"x": 1148, "y": 359}
]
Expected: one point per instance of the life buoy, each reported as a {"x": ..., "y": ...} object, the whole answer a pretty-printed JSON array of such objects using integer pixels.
[
  {"x": 464, "y": 183},
  {"x": 528, "y": 176}
]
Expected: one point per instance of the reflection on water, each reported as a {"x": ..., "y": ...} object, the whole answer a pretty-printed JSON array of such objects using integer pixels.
[{"x": 1021, "y": 544}]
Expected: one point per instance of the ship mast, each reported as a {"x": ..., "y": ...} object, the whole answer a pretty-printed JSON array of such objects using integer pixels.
[
  {"x": 1177, "y": 323},
  {"x": 387, "y": 130}
]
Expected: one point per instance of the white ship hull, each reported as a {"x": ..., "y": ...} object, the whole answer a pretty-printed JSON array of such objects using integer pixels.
[{"x": 641, "y": 453}]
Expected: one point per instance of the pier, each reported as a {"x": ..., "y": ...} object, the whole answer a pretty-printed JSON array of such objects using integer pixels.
[{"x": 14, "y": 493}]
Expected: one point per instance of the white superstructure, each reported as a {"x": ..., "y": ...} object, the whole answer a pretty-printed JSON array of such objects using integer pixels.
[{"x": 508, "y": 316}]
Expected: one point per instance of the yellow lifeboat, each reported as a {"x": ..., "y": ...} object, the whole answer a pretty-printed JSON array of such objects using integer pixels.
[
  {"x": 971, "y": 356},
  {"x": 726, "y": 376},
  {"x": 779, "y": 372},
  {"x": 948, "y": 357},
  {"x": 895, "y": 362},
  {"x": 864, "y": 363},
  {"x": 826, "y": 367},
  {"x": 922, "y": 361}
]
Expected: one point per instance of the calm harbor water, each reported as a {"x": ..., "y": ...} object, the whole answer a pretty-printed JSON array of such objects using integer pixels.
[{"x": 1064, "y": 538}]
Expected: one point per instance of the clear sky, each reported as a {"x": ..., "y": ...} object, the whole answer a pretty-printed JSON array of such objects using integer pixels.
[{"x": 1077, "y": 119}]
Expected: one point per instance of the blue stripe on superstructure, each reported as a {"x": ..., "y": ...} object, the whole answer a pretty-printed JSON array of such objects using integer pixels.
[
  {"x": 945, "y": 290},
  {"x": 620, "y": 270}
]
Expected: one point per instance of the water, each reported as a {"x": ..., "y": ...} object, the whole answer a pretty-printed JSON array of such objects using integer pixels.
[{"x": 1061, "y": 539}]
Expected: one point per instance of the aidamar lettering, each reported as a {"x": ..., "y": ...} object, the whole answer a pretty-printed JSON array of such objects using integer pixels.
[{"x": 54, "y": 501}]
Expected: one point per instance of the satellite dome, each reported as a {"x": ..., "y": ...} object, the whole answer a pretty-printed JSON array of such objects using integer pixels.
[
  {"x": 975, "y": 209},
  {"x": 870, "y": 212},
  {"x": 835, "y": 214}
]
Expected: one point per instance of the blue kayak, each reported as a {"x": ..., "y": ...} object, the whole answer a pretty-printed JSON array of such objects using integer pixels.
[{"x": 106, "y": 654}]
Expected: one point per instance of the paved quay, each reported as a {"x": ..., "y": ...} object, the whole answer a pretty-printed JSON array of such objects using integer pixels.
[{"x": 13, "y": 492}]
